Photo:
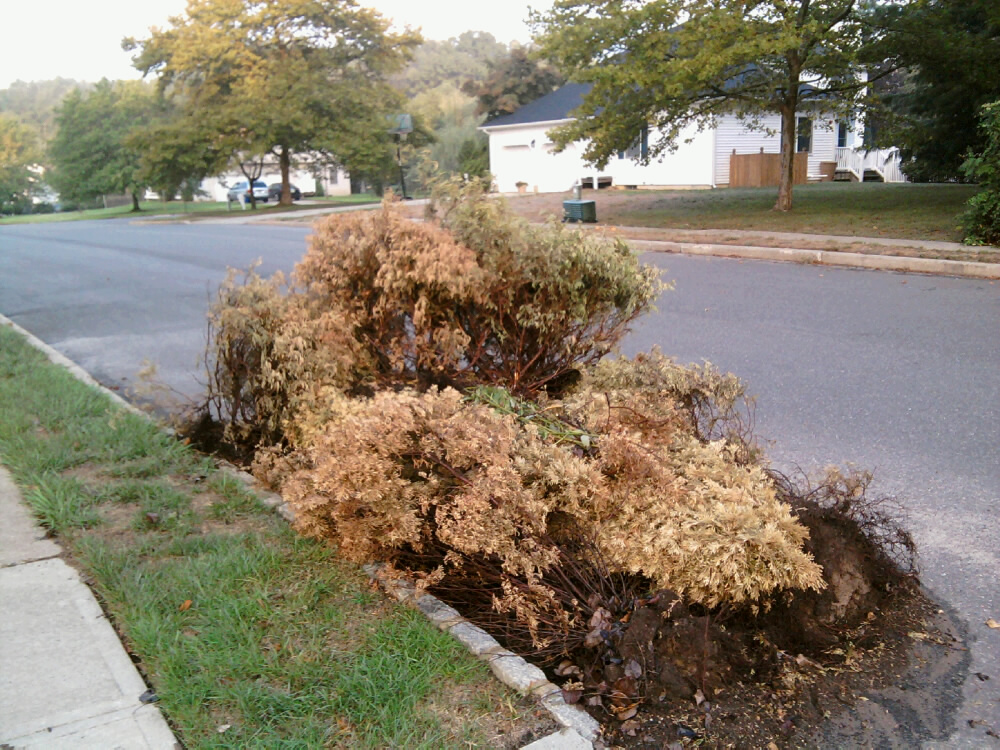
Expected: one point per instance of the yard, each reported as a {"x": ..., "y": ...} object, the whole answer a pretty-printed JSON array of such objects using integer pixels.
[{"x": 903, "y": 211}]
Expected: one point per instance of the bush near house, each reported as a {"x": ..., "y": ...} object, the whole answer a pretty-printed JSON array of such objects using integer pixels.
[
  {"x": 982, "y": 219},
  {"x": 437, "y": 396}
]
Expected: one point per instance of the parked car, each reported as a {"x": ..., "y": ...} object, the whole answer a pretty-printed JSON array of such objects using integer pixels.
[
  {"x": 238, "y": 191},
  {"x": 274, "y": 192}
]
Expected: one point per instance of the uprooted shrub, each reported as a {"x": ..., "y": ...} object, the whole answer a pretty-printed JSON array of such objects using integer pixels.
[
  {"x": 458, "y": 484},
  {"x": 380, "y": 301},
  {"x": 434, "y": 396}
]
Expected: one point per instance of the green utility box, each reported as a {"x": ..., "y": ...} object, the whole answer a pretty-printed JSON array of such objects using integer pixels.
[{"x": 580, "y": 211}]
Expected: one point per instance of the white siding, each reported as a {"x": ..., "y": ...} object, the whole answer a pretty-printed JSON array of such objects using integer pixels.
[
  {"x": 526, "y": 154},
  {"x": 732, "y": 133}
]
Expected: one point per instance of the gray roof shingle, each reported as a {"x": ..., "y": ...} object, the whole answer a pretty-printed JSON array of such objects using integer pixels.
[{"x": 554, "y": 106}]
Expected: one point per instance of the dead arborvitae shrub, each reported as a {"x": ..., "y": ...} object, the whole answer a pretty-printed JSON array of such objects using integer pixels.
[
  {"x": 383, "y": 302},
  {"x": 404, "y": 473},
  {"x": 271, "y": 354},
  {"x": 556, "y": 298},
  {"x": 405, "y": 290}
]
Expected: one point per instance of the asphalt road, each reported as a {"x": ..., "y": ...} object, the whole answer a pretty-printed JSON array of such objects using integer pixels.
[{"x": 895, "y": 372}]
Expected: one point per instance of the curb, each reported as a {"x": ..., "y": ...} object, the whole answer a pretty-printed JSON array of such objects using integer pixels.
[
  {"x": 959, "y": 268},
  {"x": 512, "y": 670},
  {"x": 580, "y": 729}
]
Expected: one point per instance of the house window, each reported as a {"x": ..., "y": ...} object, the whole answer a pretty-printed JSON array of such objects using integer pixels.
[
  {"x": 842, "y": 129},
  {"x": 804, "y": 133},
  {"x": 640, "y": 148}
]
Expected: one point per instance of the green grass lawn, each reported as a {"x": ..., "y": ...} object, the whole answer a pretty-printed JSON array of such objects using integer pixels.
[
  {"x": 903, "y": 211},
  {"x": 250, "y": 635},
  {"x": 866, "y": 210},
  {"x": 171, "y": 208}
]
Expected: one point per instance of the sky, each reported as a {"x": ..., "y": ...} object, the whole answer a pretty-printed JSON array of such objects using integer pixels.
[{"x": 81, "y": 39}]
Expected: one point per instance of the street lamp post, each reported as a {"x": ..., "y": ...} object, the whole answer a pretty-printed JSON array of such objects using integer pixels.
[{"x": 400, "y": 126}]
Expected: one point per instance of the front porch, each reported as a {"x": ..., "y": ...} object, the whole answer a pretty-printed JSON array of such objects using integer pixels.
[{"x": 877, "y": 165}]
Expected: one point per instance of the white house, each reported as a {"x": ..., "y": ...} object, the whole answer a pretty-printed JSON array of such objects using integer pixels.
[{"x": 522, "y": 155}]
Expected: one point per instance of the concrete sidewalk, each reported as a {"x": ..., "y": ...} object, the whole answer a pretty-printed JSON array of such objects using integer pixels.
[{"x": 65, "y": 679}]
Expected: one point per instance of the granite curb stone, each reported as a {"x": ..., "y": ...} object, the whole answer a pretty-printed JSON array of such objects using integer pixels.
[{"x": 962, "y": 268}]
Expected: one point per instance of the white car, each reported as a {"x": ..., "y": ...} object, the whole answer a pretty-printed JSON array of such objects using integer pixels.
[{"x": 239, "y": 192}]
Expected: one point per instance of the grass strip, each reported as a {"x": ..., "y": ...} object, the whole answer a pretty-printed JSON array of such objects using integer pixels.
[
  {"x": 195, "y": 209},
  {"x": 251, "y": 635}
]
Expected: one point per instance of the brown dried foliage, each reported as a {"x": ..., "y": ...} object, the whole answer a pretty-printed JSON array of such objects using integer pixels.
[
  {"x": 435, "y": 479},
  {"x": 575, "y": 487}
]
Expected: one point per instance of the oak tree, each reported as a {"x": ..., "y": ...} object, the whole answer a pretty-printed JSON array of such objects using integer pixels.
[
  {"x": 669, "y": 64},
  {"x": 91, "y": 152},
  {"x": 278, "y": 77},
  {"x": 19, "y": 153}
]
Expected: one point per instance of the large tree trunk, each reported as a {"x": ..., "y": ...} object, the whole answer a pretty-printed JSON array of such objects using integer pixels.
[
  {"x": 286, "y": 190},
  {"x": 135, "y": 202},
  {"x": 788, "y": 133}
]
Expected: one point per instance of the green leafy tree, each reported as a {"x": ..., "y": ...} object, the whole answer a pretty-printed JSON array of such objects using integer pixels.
[
  {"x": 455, "y": 61},
  {"x": 19, "y": 153},
  {"x": 36, "y": 102},
  {"x": 513, "y": 81},
  {"x": 951, "y": 52},
  {"x": 91, "y": 153},
  {"x": 670, "y": 64},
  {"x": 982, "y": 219},
  {"x": 289, "y": 77}
]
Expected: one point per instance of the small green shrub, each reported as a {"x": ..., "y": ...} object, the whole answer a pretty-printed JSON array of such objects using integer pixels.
[{"x": 982, "y": 219}]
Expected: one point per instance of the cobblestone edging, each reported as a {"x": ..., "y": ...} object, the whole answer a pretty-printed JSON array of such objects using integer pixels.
[{"x": 512, "y": 670}]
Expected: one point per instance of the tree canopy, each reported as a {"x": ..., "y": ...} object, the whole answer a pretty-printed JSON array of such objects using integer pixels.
[
  {"x": 36, "y": 102},
  {"x": 671, "y": 64},
  {"x": 91, "y": 153},
  {"x": 456, "y": 61},
  {"x": 19, "y": 153},
  {"x": 513, "y": 81},
  {"x": 285, "y": 77},
  {"x": 951, "y": 53}
]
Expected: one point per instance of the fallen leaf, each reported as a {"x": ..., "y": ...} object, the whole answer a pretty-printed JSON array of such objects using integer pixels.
[
  {"x": 628, "y": 713},
  {"x": 993, "y": 623},
  {"x": 918, "y": 636},
  {"x": 601, "y": 619},
  {"x": 805, "y": 661},
  {"x": 633, "y": 670},
  {"x": 572, "y": 696},
  {"x": 630, "y": 727},
  {"x": 685, "y": 731},
  {"x": 594, "y": 700},
  {"x": 223, "y": 728},
  {"x": 594, "y": 638},
  {"x": 186, "y": 605},
  {"x": 567, "y": 668},
  {"x": 699, "y": 697}
]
